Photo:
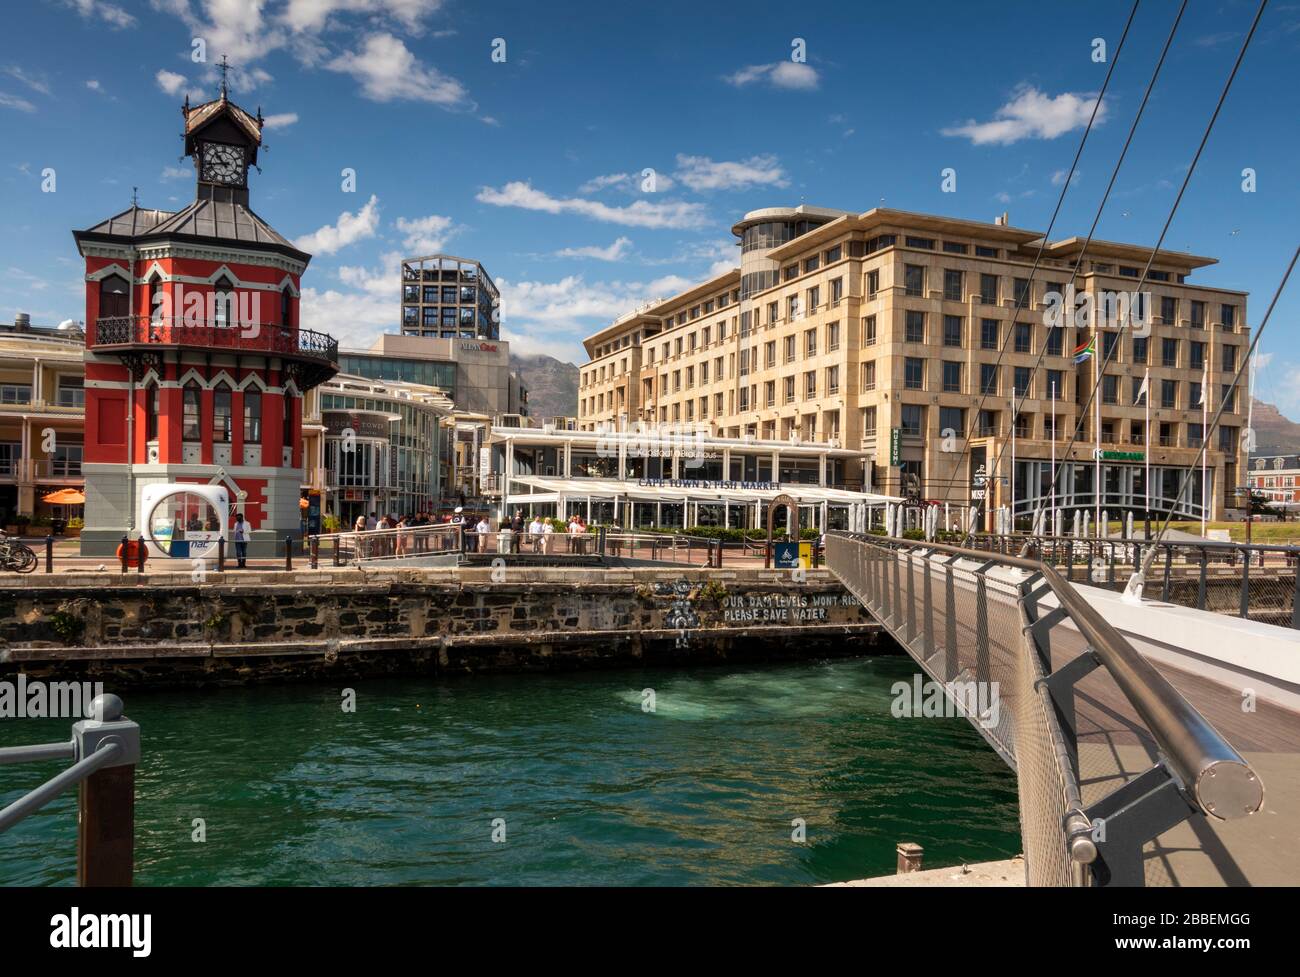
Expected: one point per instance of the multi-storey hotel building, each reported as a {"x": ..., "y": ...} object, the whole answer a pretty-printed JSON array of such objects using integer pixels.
[{"x": 907, "y": 337}]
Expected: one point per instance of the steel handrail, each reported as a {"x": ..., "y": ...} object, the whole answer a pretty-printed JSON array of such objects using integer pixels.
[
  {"x": 1216, "y": 776},
  {"x": 35, "y": 800}
]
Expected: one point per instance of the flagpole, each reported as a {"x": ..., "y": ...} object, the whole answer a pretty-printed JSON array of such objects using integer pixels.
[
  {"x": 1096, "y": 398},
  {"x": 1146, "y": 394},
  {"x": 1053, "y": 459},
  {"x": 1012, "y": 528},
  {"x": 1205, "y": 447}
]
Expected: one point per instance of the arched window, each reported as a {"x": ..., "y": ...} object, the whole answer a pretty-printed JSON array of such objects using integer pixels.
[
  {"x": 221, "y": 413},
  {"x": 252, "y": 416},
  {"x": 290, "y": 406},
  {"x": 114, "y": 297},
  {"x": 222, "y": 302},
  {"x": 286, "y": 306},
  {"x": 192, "y": 411},
  {"x": 151, "y": 411},
  {"x": 156, "y": 299}
]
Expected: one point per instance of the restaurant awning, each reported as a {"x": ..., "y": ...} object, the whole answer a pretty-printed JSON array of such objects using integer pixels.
[{"x": 549, "y": 489}]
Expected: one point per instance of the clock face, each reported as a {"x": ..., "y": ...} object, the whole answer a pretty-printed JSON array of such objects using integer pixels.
[{"x": 223, "y": 163}]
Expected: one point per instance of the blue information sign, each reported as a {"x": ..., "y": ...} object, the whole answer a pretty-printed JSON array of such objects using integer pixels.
[{"x": 785, "y": 555}]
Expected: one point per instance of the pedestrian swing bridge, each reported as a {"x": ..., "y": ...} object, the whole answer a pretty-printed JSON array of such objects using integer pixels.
[{"x": 1141, "y": 732}]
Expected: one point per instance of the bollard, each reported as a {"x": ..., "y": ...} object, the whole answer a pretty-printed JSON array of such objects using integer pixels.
[
  {"x": 910, "y": 855},
  {"x": 139, "y": 555},
  {"x": 315, "y": 552},
  {"x": 49, "y": 554},
  {"x": 338, "y": 545},
  {"x": 126, "y": 542},
  {"x": 106, "y": 807},
  {"x": 288, "y": 553},
  {"x": 221, "y": 554}
]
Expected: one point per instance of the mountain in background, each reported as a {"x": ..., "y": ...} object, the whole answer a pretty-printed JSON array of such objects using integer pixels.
[
  {"x": 1275, "y": 434},
  {"x": 552, "y": 385}
]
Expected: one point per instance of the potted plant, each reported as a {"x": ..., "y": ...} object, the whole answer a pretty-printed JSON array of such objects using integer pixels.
[
  {"x": 21, "y": 523},
  {"x": 74, "y": 527}
]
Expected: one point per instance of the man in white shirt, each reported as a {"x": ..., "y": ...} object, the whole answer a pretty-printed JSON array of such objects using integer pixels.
[
  {"x": 535, "y": 533},
  {"x": 483, "y": 528}
]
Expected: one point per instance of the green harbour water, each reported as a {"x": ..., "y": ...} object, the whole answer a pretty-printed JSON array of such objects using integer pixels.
[{"x": 592, "y": 788}]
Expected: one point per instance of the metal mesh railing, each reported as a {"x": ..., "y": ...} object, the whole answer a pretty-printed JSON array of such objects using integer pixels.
[{"x": 1014, "y": 646}]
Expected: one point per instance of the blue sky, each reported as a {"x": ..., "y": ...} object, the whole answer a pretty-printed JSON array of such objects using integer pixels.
[{"x": 533, "y": 164}]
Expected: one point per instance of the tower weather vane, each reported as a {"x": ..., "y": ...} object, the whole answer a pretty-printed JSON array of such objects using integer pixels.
[{"x": 223, "y": 67}]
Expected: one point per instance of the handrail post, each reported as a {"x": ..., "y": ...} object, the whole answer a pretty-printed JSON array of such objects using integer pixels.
[
  {"x": 288, "y": 553},
  {"x": 1245, "y": 586},
  {"x": 1295, "y": 597},
  {"x": 1169, "y": 563},
  {"x": 1200, "y": 589},
  {"x": 221, "y": 554},
  {"x": 106, "y": 806},
  {"x": 126, "y": 544},
  {"x": 315, "y": 552},
  {"x": 49, "y": 554},
  {"x": 139, "y": 556}
]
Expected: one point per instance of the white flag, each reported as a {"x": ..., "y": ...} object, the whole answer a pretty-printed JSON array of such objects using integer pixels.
[
  {"x": 1145, "y": 389},
  {"x": 1205, "y": 383}
]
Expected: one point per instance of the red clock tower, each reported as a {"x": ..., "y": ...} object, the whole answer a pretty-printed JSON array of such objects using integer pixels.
[{"x": 195, "y": 359}]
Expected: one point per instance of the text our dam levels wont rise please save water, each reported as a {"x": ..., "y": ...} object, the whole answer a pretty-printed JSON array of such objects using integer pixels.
[{"x": 539, "y": 779}]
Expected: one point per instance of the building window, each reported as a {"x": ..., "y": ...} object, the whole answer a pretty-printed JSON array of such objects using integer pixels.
[
  {"x": 221, "y": 413},
  {"x": 72, "y": 392},
  {"x": 951, "y": 377},
  {"x": 1024, "y": 337},
  {"x": 1198, "y": 315},
  {"x": 156, "y": 298},
  {"x": 832, "y": 380},
  {"x": 869, "y": 422},
  {"x": 913, "y": 419},
  {"x": 988, "y": 378},
  {"x": 1140, "y": 350},
  {"x": 873, "y": 282},
  {"x": 837, "y": 291},
  {"x": 810, "y": 343},
  {"x": 988, "y": 334},
  {"x": 1055, "y": 388},
  {"x": 913, "y": 373},
  {"x": 914, "y": 279},
  {"x": 869, "y": 375},
  {"x": 151, "y": 410},
  {"x": 1020, "y": 381},
  {"x": 1168, "y": 309},
  {"x": 1168, "y": 393},
  {"x": 869, "y": 331},
  {"x": 833, "y": 336},
  {"x": 286, "y": 307},
  {"x": 1168, "y": 352},
  {"x": 114, "y": 297},
  {"x": 952, "y": 285},
  {"x": 1055, "y": 341},
  {"x": 1230, "y": 359},
  {"x": 1022, "y": 292},
  {"x": 790, "y": 342},
  {"x": 952, "y": 419},
  {"x": 810, "y": 385},
  {"x": 952, "y": 330},
  {"x": 1109, "y": 389},
  {"x": 191, "y": 411},
  {"x": 223, "y": 297},
  {"x": 291, "y": 409},
  {"x": 1196, "y": 359},
  {"x": 914, "y": 327},
  {"x": 989, "y": 289},
  {"x": 1228, "y": 316}
]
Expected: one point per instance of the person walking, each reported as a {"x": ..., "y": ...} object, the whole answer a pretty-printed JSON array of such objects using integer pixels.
[
  {"x": 517, "y": 530},
  {"x": 359, "y": 527},
  {"x": 240, "y": 536},
  {"x": 483, "y": 529}
]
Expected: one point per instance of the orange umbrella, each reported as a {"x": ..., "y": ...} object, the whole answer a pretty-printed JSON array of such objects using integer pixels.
[{"x": 65, "y": 497}]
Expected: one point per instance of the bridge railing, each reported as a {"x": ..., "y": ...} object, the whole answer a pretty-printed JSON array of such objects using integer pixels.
[
  {"x": 1248, "y": 580},
  {"x": 105, "y": 748},
  {"x": 343, "y": 549},
  {"x": 1011, "y": 640}
]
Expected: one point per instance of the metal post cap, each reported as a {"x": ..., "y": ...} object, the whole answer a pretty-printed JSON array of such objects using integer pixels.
[{"x": 105, "y": 708}]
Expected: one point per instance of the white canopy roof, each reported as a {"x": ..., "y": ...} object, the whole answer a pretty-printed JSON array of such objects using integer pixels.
[{"x": 549, "y": 489}]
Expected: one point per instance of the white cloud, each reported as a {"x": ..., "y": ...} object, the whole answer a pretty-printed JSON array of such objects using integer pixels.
[
  {"x": 94, "y": 85},
  {"x": 31, "y": 81},
  {"x": 615, "y": 252},
  {"x": 790, "y": 75},
  {"x": 387, "y": 71},
  {"x": 1030, "y": 114},
  {"x": 701, "y": 173},
  {"x": 176, "y": 172},
  {"x": 639, "y": 213},
  {"x": 108, "y": 13},
  {"x": 631, "y": 182},
  {"x": 1059, "y": 177},
  {"x": 280, "y": 121},
  {"x": 348, "y": 229},
  {"x": 310, "y": 16},
  {"x": 426, "y": 235},
  {"x": 14, "y": 102},
  {"x": 169, "y": 81}
]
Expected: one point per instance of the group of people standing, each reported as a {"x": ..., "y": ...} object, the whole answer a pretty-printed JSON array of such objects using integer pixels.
[{"x": 400, "y": 543}]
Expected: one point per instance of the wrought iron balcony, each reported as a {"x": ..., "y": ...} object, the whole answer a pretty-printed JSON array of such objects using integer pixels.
[{"x": 123, "y": 333}]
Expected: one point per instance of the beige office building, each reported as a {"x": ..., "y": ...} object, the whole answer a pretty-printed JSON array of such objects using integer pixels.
[{"x": 897, "y": 335}]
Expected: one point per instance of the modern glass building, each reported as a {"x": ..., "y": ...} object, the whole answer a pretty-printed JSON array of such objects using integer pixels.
[{"x": 449, "y": 298}]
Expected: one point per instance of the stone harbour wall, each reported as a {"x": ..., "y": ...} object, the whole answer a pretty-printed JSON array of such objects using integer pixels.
[{"x": 162, "y": 630}]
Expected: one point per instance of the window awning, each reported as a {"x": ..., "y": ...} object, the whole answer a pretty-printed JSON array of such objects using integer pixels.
[{"x": 549, "y": 489}]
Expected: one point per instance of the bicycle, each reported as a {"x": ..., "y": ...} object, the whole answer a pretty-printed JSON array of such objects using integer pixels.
[{"x": 16, "y": 556}]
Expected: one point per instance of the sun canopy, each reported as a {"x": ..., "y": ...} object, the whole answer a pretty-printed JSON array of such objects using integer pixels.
[
  {"x": 65, "y": 497},
  {"x": 549, "y": 489}
]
